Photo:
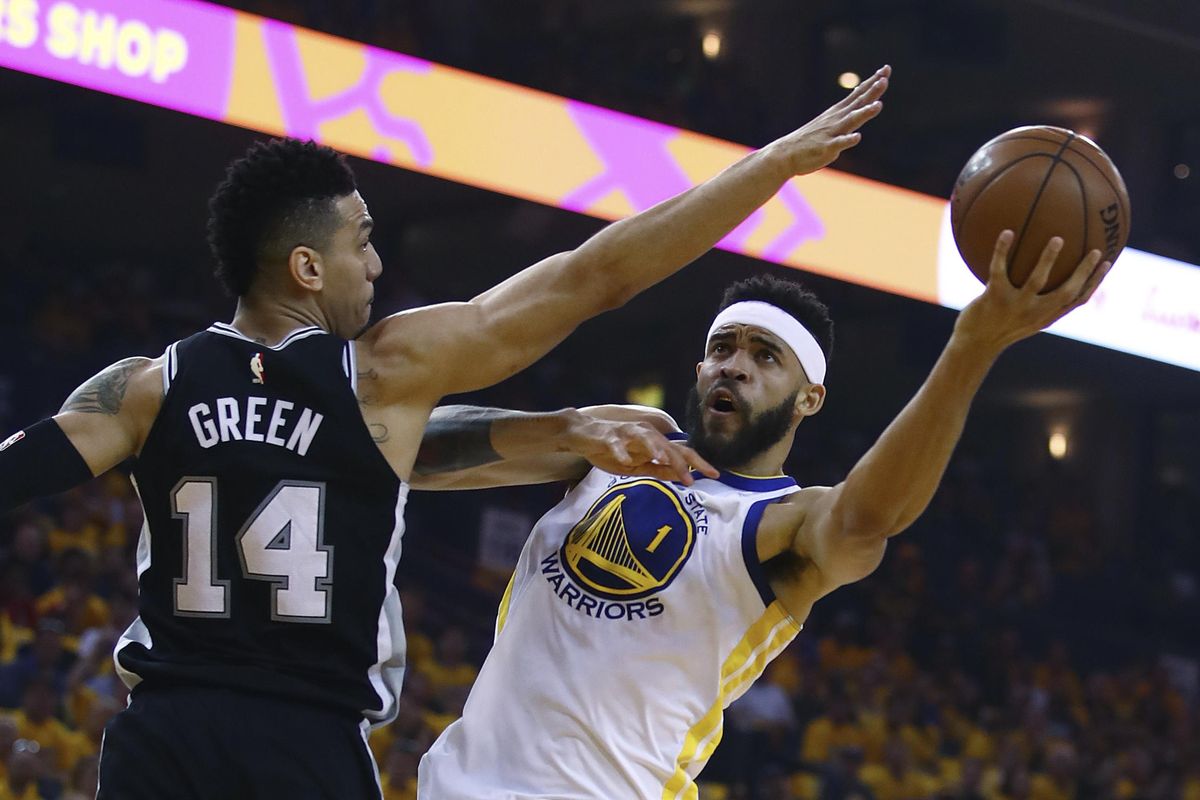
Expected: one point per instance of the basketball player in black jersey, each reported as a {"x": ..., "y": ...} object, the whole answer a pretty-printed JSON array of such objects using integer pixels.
[{"x": 273, "y": 456}]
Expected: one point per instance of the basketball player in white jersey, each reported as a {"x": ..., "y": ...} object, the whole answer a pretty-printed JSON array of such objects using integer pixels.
[
  {"x": 640, "y": 609},
  {"x": 273, "y": 456}
]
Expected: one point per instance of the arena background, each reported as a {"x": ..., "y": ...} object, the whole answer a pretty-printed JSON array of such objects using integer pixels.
[{"x": 1033, "y": 635}]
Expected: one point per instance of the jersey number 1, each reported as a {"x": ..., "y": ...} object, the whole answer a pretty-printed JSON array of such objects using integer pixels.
[{"x": 282, "y": 543}]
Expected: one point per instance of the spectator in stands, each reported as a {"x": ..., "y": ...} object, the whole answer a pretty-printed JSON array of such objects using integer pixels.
[
  {"x": 399, "y": 778},
  {"x": 82, "y": 785},
  {"x": 24, "y": 769},
  {"x": 44, "y": 658},
  {"x": 35, "y": 721},
  {"x": 449, "y": 665}
]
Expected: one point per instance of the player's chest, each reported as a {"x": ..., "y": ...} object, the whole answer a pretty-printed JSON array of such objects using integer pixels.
[{"x": 634, "y": 549}]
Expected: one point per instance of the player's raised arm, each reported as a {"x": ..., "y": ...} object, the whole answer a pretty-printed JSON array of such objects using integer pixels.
[
  {"x": 458, "y": 347},
  {"x": 468, "y": 447},
  {"x": 100, "y": 425},
  {"x": 843, "y": 529}
]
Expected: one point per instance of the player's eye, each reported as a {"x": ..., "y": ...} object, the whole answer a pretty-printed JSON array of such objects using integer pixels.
[{"x": 767, "y": 355}]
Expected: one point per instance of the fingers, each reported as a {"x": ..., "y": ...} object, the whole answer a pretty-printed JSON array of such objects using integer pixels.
[
  {"x": 1092, "y": 284},
  {"x": 1041, "y": 271},
  {"x": 620, "y": 453},
  {"x": 870, "y": 89},
  {"x": 861, "y": 116},
  {"x": 845, "y": 142},
  {"x": 1073, "y": 287},
  {"x": 697, "y": 462},
  {"x": 998, "y": 269},
  {"x": 653, "y": 455}
]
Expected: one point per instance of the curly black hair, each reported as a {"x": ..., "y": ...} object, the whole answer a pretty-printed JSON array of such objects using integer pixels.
[
  {"x": 280, "y": 194},
  {"x": 789, "y": 296}
]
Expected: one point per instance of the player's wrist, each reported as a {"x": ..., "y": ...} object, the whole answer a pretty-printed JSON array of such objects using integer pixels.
[
  {"x": 976, "y": 340},
  {"x": 777, "y": 161},
  {"x": 571, "y": 432}
]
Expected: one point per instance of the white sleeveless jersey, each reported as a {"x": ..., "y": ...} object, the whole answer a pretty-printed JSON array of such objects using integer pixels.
[{"x": 637, "y": 613}]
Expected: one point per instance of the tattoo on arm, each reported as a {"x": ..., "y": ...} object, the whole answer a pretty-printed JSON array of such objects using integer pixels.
[
  {"x": 104, "y": 393},
  {"x": 379, "y": 433},
  {"x": 457, "y": 437}
]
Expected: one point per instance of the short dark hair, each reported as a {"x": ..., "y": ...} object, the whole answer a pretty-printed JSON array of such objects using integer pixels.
[
  {"x": 789, "y": 296},
  {"x": 281, "y": 193}
]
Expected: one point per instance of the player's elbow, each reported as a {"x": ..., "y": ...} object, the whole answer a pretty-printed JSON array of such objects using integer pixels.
[
  {"x": 866, "y": 521},
  {"x": 861, "y": 557}
]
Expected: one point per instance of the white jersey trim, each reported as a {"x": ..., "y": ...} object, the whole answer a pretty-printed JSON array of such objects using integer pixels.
[
  {"x": 387, "y": 674},
  {"x": 364, "y": 730},
  {"x": 137, "y": 630},
  {"x": 350, "y": 366},
  {"x": 225, "y": 329},
  {"x": 170, "y": 366}
]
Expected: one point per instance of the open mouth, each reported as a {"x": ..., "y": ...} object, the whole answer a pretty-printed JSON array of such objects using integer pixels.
[{"x": 722, "y": 402}]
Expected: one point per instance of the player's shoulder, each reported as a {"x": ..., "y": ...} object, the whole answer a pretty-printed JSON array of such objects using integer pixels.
[
  {"x": 395, "y": 354},
  {"x": 414, "y": 329},
  {"x": 419, "y": 336},
  {"x": 133, "y": 374},
  {"x": 145, "y": 377},
  {"x": 132, "y": 387}
]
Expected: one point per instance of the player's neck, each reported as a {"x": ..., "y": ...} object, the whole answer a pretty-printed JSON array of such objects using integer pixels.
[
  {"x": 766, "y": 464},
  {"x": 270, "y": 319}
]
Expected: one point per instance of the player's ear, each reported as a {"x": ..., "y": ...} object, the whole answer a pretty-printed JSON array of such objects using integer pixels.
[
  {"x": 306, "y": 269},
  {"x": 699, "y": 364},
  {"x": 810, "y": 400}
]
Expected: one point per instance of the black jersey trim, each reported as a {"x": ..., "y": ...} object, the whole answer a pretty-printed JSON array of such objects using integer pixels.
[{"x": 225, "y": 329}]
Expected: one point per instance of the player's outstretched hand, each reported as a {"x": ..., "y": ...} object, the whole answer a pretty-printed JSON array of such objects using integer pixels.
[
  {"x": 1004, "y": 313},
  {"x": 629, "y": 447},
  {"x": 822, "y": 140}
]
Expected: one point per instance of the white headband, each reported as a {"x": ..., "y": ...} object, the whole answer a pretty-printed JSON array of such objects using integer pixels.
[{"x": 782, "y": 324}]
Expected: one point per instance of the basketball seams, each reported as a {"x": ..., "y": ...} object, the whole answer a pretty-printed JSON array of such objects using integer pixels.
[
  {"x": 979, "y": 193},
  {"x": 1100, "y": 169},
  {"x": 1084, "y": 198},
  {"x": 1019, "y": 240}
]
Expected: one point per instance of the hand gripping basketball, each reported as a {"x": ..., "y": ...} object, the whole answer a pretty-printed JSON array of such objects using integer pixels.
[
  {"x": 1005, "y": 314},
  {"x": 818, "y": 143}
]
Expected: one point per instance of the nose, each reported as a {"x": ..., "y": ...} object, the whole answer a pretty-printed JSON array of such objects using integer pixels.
[
  {"x": 733, "y": 370},
  {"x": 374, "y": 266}
]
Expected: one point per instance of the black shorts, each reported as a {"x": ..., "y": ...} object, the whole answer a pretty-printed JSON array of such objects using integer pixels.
[{"x": 217, "y": 744}]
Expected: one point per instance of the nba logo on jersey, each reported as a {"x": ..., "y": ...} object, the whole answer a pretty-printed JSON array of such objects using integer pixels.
[
  {"x": 10, "y": 441},
  {"x": 631, "y": 543},
  {"x": 256, "y": 367}
]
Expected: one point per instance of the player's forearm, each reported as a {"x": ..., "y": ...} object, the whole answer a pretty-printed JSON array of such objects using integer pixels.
[
  {"x": 637, "y": 252},
  {"x": 476, "y": 447},
  {"x": 894, "y": 481}
]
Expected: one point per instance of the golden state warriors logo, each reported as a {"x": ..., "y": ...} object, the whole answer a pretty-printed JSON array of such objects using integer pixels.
[{"x": 632, "y": 541}]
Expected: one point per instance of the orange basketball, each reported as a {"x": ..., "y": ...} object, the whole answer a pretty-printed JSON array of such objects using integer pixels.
[{"x": 1039, "y": 181}]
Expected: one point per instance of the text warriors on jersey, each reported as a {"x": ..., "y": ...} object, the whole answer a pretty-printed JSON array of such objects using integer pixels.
[{"x": 628, "y": 547}]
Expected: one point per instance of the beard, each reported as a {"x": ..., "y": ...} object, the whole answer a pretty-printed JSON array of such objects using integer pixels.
[{"x": 757, "y": 434}]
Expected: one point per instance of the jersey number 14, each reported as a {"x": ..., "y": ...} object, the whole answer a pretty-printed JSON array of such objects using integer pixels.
[{"x": 282, "y": 543}]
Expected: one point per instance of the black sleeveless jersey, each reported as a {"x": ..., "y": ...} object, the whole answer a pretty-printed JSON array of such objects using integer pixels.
[{"x": 273, "y": 528}]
